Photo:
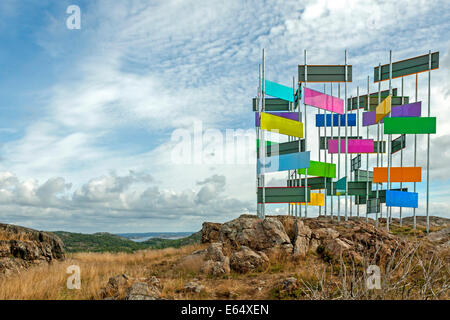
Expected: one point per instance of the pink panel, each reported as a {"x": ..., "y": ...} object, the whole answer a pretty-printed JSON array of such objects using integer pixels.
[
  {"x": 323, "y": 101},
  {"x": 354, "y": 145}
]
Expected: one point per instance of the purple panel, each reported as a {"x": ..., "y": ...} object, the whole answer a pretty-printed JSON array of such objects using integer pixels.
[
  {"x": 323, "y": 101},
  {"x": 369, "y": 118},
  {"x": 287, "y": 115},
  {"x": 407, "y": 110},
  {"x": 354, "y": 145}
]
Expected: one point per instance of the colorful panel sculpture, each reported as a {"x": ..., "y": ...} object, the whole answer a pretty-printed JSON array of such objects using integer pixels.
[
  {"x": 341, "y": 184},
  {"x": 323, "y": 142},
  {"x": 352, "y": 103},
  {"x": 287, "y": 115},
  {"x": 278, "y": 91},
  {"x": 323, "y": 101},
  {"x": 397, "y": 174},
  {"x": 398, "y": 143},
  {"x": 284, "y": 148},
  {"x": 363, "y": 175},
  {"x": 320, "y": 169},
  {"x": 406, "y": 67},
  {"x": 354, "y": 146},
  {"x": 402, "y": 199},
  {"x": 383, "y": 109},
  {"x": 351, "y": 120},
  {"x": 407, "y": 110},
  {"x": 281, "y": 125},
  {"x": 283, "y": 194},
  {"x": 272, "y": 104},
  {"x": 324, "y": 73},
  {"x": 410, "y": 125},
  {"x": 317, "y": 199},
  {"x": 291, "y": 161}
]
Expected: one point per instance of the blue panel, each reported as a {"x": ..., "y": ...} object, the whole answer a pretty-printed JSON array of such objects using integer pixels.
[
  {"x": 278, "y": 91},
  {"x": 291, "y": 161},
  {"x": 402, "y": 199},
  {"x": 320, "y": 120}
]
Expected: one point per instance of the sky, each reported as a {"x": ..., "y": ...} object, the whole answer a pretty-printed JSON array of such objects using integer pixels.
[{"x": 95, "y": 122}]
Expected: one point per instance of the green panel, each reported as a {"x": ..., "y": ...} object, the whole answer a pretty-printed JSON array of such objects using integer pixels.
[
  {"x": 268, "y": 143},
  {"x": 352, "y": 103},
  {"x": 325, "y": 147},
  {"x": 356, "y": 188},
  {"x": 273, "y": 105},
  {"x": 377, "y": 145},
  {"x": 407, "y": 67},
  {"x": 284, "y": 148},
  {"x": 361, "y": 175},
  {"x": 320, "y": 169},
  {"x": 409, "y": 125},
  {"x": 283, "y": 195},
  {"x": 396, "y": 101},
  {"x": 313, "y": 183},
  {"x": 398, "y": 143},
  {"x": 324, "y": 73}
]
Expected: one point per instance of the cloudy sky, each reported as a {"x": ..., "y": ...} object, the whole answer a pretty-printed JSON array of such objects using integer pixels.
[{"x": 91, "y": 120}]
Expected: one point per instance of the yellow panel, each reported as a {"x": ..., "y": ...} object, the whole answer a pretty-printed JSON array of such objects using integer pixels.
[
  {"x": 317, "y": 199},
  {"x": 383, "y": 109},
  {"x": 281, "y": 125}
]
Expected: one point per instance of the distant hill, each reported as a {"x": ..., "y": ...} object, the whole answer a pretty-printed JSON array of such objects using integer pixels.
[{"x": 107, "y": 242}]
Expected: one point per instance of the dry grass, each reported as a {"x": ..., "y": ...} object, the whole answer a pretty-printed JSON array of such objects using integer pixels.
[
  {"x": 415, "y": 274},
  {"x": 49, "y": 281}
]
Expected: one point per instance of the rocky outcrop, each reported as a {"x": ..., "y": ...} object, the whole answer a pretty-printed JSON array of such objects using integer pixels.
[
  {"x": 250, "y": 242},
  {"x": 23, "y": 247},
  {"x": 123, "y": 287},
  {"x": 210, "y": 232},
  {"x": 246, "y": 260}
]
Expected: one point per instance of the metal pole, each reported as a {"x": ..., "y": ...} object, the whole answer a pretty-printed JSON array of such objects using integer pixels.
[
  {"x": 339, "y": 153},
  {"x": 350, "y": 158},
  {"x": 389, "y": 209},
  {"x": 357, "y": 134},
  {"x": 263, "y": 142},
  {"x": 428, "y": 142},
  {"x": 346, "y": 137},
  {"x": 305, "y": 130},
  {"x": 367, "y": 156},
  {"x": 318, "y": 128},
  {"x": 378, "y": 149},
  {"x": 258, "y": 135},
  {"x": 332, "y": 160},
  {"x": 415, "y": 156},
  {"x": 401, "y": 156},
  {"x": 325, "y": 135}
]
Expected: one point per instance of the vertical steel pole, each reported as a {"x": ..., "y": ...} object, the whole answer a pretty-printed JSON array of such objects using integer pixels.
[
  {"x": 350, "y": 157},
  {"x": 415, "y": 155},
  {"x": 318, "y": 130},
  {"x": 378, "y": 149},
  {"x": 326, "y": 146},
  {"x": 389, "y": 209},
  {"x": 346, "y": 137},
  {"x": 325, "y": 154},
  {"x": 306, "y": 130},
  {"x": 428, "y": 142},
  {"x": 357, "y": 134},
  {"x": 258, "y": 135},
  {"x": 367, "y": 156},
  {"x": 263, "y": 142},
  {"x": 401, "y": 156},
  {"x": 339, "y": 153}
]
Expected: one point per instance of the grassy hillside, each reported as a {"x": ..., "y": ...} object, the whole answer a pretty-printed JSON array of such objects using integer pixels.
[{"x": 106, "y": 242}]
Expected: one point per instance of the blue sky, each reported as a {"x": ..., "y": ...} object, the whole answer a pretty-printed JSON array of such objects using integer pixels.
[{"x": 87, "y": 116}]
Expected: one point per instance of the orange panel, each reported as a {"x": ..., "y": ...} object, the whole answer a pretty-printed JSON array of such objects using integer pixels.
[{"x": 398, "y": 174}]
